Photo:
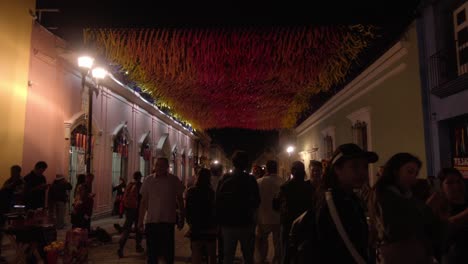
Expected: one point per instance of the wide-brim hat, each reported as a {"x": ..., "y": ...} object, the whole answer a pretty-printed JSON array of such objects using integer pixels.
[{"x": 352, "y": 151}]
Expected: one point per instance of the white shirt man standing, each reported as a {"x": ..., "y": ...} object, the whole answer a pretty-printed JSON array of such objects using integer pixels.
[
  {"x": 161, "y": 197},
  {"x": 268, "y": 219}
]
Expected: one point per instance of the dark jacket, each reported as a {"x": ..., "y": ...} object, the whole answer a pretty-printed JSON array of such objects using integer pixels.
[
  {"x": 35, "y": 198},
  {"x": 406, "y": 218},
  {"x": 13, "y": 191},
  {"x": 120, "y": 189},
  {"x": 303, "y": 239},
  {"x": 457, "y": 239},
  {"x": 237, "y": 199},
  {"x": 294, "y": 198},
  {"x": 200, "y": 212},
  {"x": 58, "y": 191},
  {"x": 330, "y": 244}
]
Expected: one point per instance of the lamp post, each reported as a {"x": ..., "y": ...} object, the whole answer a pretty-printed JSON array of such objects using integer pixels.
[{"x": 86, "y": 63}]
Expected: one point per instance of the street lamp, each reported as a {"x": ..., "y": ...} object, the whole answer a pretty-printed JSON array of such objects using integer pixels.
[
  {"x": 289, "y": 150},
  {"x": 86, "y": 63}
]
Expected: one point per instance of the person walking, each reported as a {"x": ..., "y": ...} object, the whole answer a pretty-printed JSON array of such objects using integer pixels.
[
  {"x": 118, "y": 208},
  {"x": 268, "y": 219},
  {"x": 294, "y": 198},
  {"x": 161, "y": 197},
  {"x": 237, "y": 200},
  {"x": 58, "y": 196},
  {"x": 200, "y": 214},
  {"x": 131, "y": 202},
  {"x": 216, "y": 175}
]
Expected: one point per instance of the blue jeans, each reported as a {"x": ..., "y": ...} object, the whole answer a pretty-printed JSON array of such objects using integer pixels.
[
  {"x": 246, "y": 237},
  {"x": 160, "y": 242}
]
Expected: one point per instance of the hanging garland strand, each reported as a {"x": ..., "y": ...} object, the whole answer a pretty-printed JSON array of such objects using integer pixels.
[{"x": 260, "y": 78}]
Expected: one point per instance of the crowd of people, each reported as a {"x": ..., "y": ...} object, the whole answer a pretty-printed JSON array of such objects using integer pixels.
[
  {"x": 333, "y": 215},
  {"x": 32, "y": 196}
]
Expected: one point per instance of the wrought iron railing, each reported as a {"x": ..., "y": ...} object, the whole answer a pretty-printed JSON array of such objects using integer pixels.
[{"x": 442, "y": 68}]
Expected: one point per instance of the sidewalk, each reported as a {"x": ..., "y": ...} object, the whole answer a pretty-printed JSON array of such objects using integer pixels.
[{"x": 107, "y": 253}]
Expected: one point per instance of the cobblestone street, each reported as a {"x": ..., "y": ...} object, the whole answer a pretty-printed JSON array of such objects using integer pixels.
[{"x": 107, "y": 253}]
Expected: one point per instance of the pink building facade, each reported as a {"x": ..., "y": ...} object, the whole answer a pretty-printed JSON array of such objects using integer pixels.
[{"x": 128, "y": 132}]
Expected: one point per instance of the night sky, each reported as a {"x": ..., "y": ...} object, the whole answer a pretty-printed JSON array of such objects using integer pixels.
[{"x": 76, "y": 15}]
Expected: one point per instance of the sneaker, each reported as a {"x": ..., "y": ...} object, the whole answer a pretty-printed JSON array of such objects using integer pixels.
[
  {"x": 140, "y": 249},
  {"x": 120, "y": 253}
]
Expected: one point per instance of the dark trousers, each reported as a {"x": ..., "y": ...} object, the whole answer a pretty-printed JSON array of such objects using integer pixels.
[
  {"x": 160, "y": 242},
  {"x": 246, "y": 237},
  {"x": 284, "y": 237},
  {"x": 131, "y": 218},
  {"x": 220, "y": 247}
]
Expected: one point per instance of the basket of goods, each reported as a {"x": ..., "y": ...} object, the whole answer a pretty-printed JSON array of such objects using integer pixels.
[{"x": 53, "y": 251}]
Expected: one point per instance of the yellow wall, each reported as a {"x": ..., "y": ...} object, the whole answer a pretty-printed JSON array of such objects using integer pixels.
[
  {"x": 396, "y": 112},
  {"x": 15, "y": 41}
]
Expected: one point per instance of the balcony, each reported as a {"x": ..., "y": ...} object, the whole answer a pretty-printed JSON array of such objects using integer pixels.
[{"x": 443, "y": 75}]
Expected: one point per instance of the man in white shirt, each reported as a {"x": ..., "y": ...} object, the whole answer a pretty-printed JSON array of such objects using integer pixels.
[
  {"x": 268, "y": 219},
  {"x": 161, "y": 197}
]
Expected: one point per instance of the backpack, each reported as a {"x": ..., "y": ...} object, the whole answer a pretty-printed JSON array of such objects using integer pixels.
[{"x": 130, "y": 197}]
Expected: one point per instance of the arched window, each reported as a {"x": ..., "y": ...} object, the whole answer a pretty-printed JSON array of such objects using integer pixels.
[
  {"x": 145, "y": 156},
  {"x": 77, "y": 155},
  {"x": 78, "y": 137},
  {"x": 182, "y": 166},
  {"x": 328, "y": 142},
  {"x": 120, "y": 147},
  {"x": 173, "y": 163}
]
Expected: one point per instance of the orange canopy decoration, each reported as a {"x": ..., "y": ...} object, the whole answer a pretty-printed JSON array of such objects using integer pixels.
[{"x": 254, "y": 78}]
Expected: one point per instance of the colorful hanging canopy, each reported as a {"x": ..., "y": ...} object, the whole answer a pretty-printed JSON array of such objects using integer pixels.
[{"x": 254, "y": 78}]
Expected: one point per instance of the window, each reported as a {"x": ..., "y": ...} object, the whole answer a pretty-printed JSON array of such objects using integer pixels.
[
  {"x": 120, "y": 147},
  {"x": 145, "y": 157},
  {"x": 328, "y": 142},
  {"x": 359, "y": 131},
  {"x": 361, "y": 128}
]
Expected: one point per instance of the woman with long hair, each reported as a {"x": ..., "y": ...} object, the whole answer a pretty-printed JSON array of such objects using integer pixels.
[
  {"x": 200, "y": 214},
  {"x": 404, "y": 226}
]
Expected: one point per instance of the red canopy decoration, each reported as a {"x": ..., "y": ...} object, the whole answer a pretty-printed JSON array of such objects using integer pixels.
[{"x": 260, "y": 78}]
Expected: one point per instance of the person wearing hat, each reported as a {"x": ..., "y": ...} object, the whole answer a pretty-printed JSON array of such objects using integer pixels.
[
  {"x": 58, "y": 197},
  {"x": 295, "y": 197},
  {"x": 341, "y": 226}
]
